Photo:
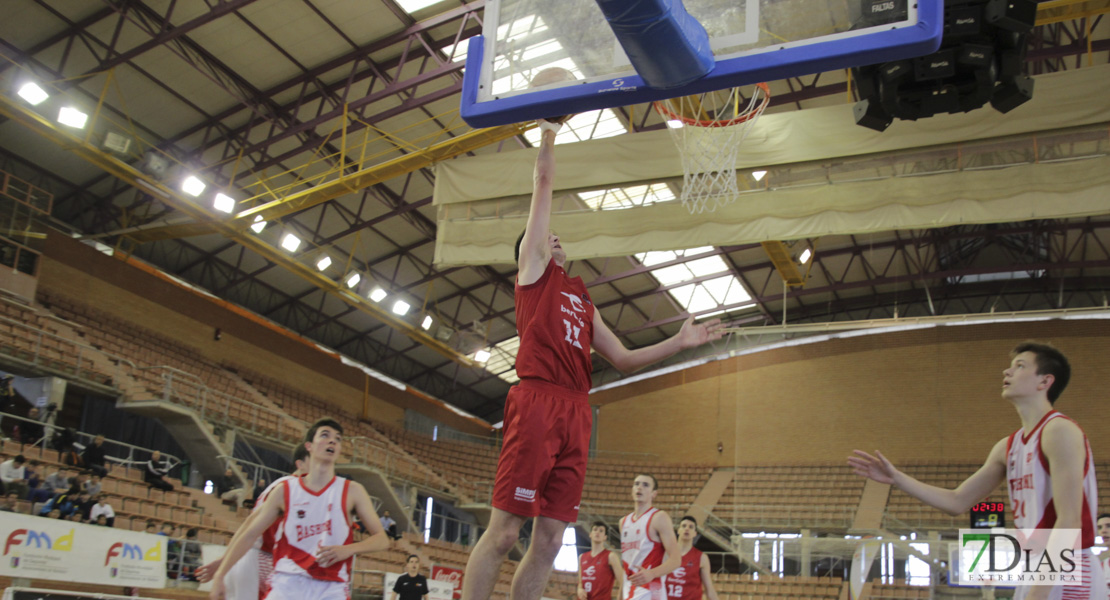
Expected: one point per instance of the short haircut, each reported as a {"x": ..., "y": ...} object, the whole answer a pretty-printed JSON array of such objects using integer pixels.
[
  {"x": 689, "y": 518},
  {"x": 150, "y": 523},
  {"x": 19, "y": 459},
  {"x": 519, "y": 241},
  {"x": 599, "y": 524},
  {"x": 411, "y": 556},
  {"x": 192, "y": 533},
  {"x": 1102, "y": 516},
  {"x": 1050, "y": 361},
  {"x": 324, "y": 422},
  {"x": 299, "y": 453},
  {"x": 654, "y": 481}
]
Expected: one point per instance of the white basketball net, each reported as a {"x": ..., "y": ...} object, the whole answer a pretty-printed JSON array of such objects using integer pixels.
[{"x": 708, "y": 130}]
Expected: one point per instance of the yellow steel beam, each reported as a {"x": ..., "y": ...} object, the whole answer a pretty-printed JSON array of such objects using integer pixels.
[
  {"x": 784, "y": 263},
  {"x": 1056, "y": 11},
  {"x": 467, "y": 142},
  {"x": 125, "y": 172}
]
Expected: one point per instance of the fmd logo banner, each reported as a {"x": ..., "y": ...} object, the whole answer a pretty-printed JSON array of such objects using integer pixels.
[{"x": 42, "y": 548}]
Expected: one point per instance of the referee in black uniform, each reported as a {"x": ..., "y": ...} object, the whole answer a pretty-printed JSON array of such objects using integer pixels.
[{"x": 411, "y": 585}]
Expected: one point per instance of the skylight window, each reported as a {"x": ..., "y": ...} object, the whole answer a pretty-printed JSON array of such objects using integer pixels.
[
  {"x": 592, "y": 125},
  {"x": 629, "y": 197},
  {"x": 502, "y": 361},
  {"x": 411, "y": 6},
  {"x": 705, "y": 294}
]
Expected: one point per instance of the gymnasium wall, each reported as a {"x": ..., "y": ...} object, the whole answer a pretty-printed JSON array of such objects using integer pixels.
[
  {"x": 916, "y": 395},
  {"x": 81, "y": 273}
]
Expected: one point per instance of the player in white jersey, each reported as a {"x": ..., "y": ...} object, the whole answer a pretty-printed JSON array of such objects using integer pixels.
[
  {"x": 250, "y": 578},
  {"x": 1103, "y": 524},
  {"x": 1047, "y": 443},
  {"x": 313, "y": 555},
  {"x": 649, "y": 549}
]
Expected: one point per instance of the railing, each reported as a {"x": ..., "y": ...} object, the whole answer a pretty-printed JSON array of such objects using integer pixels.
[
  {"x": 480, "y": 491},
  {"x": 615, "y": 455},
  {"x": 133, "y": 454},
  {"x": 376, "y": 454},
  {"x": 35, "y": 345},
  {"x": 920, "y": 516},
  {"x": 463, "y": 533},
  {"x": 252, "y": 470}
]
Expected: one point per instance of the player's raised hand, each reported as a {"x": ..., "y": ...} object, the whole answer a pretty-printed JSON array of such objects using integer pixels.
[
  {"x": 695, "y": 334},
  {"x": 872, "y": 467}
]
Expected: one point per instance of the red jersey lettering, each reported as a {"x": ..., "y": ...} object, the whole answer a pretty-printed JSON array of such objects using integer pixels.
[
  {"x": 555, "y": 319},
  {"x": 684, "y": 583}
]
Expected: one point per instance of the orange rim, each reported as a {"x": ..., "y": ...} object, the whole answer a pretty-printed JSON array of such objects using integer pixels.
[{"x": 661, "y": 107}]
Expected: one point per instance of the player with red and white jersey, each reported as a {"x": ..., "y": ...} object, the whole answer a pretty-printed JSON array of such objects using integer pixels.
[
  {"x": 250, "y": 578},
  {"x": 542, "y": 465},
  {"x": 1047, "y": 465},
  {"x": 314, "y": 548},
  {"x": 692, "y": 576},
  {"x": 599, "y": 568},
  {"x": 649, "y": 550},
  {"x": 1103, "y": 525}
]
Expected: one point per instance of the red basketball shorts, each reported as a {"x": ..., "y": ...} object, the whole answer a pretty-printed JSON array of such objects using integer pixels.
[{"x": 546, "y": 442}]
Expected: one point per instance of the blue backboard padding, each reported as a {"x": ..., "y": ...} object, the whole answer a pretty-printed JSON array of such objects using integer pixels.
[
  {"x": 667, "y": 47},
  {"x": 878, "y": 47}
]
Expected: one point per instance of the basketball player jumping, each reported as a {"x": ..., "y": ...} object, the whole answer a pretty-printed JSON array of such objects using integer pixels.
[
  {"x": 250, "y": 578},
  {"x": 313, "y": 555},
  {"x": 599, "y": 568},
  {"x": 649, "y": 550},
  {"x": 547, "y": 417},
  {"x": 1047, "y": 464},
  {"x": 692, "y": 578}
]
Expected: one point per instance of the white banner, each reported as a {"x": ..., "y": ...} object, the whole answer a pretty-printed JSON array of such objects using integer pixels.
[
  {"x": 42, "y": 548},
  {"x": 437, "y": 590}
]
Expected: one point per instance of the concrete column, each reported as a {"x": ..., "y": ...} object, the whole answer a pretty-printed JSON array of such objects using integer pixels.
[{"x": 807, "y": 552}]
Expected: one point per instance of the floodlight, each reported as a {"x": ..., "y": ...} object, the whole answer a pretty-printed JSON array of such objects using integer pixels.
[
  {"x": 806, "y": 255},
  {"x": 323, "y": 263},
  {"x": 674, "y": 124},
  {"x": 258, "y": 225},
  {"x": 401, "y": 307},
  {"x": 481, "y": 356},
  {"x": 758, "y": 175},
  {"x": 72, "y": 117},
  {"x": 224, "y": 203},
  {"x": 192, "y": 186},
  {"x": 32, "y": 93},
  {"x": 352, "y": 279},
  {"x": 290, "y": 242},
  {"x": 427, "y": 324},
  {"x": 377, "y": 294}
]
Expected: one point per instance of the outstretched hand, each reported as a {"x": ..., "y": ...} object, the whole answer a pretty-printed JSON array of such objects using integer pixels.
[
  {"x": 204, "y": 573},
  {"x": 695, "y": 334},
  {"x": 877, "y": 467}
]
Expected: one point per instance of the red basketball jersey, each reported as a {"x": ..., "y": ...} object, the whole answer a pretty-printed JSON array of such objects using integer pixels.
[
  {"x": 597, "y": 576},
  {"x": 684, "y": 583},
  {"x": 312, "y": 520},
  {"x": 555, "y": 319},
  {"x": 1030, "y": 483}
]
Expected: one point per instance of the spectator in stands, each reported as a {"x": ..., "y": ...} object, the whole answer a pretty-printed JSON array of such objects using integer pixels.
[
  {"x": 83, "y": 506},
  {"x": 7, "y": 394},
  {"x": 53, "y": 483},
  {"x": 155, "y": 473},
  {"x": 54, "y": 514},
  {"x": 151, "y": 528},
  {"x": 31, "y": 431},
  {"x": 11, "y": 503},
  {"x": 33, "y": 474},
  {"x": 190, "y": 556},
  {"x": 259, "y": 487},
  {"x": 93, "y": 486},
  {"x": 102, "y": 510},
  {"x": 228, "y": 488},
  {"x": 13, "y": 475},
  {"x": 70, "y": 457},
  {"x": 94, "y": 457},
  {"x": 63, "y": 441},
  {"x": 411, "y": 585},
  {"x": 102, "y": 521},
  {"x": 390, "y": 526}
]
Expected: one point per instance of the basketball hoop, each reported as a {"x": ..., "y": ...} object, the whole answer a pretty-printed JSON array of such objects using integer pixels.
[{"x": 708, "y": 130}]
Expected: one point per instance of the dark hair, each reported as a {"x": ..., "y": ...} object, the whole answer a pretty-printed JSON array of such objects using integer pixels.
[
  {"x": 411, "y": 556},
  {"x": 1102, "y": 516},
  {"x": 689, "y": 518},
  {"x": 519, "y": 241},
  {"x": 324, "y": 422},
  {"x": 599, "y": 524},
  {"x": 192, "y": 533},
  {"x": 654, "y": 481},
  {"x": 19, "y": 459},
  {"x": 1050, "y": 361},
  {"x": 149, "y": 523},
  {"x": 300, "y": 452}
]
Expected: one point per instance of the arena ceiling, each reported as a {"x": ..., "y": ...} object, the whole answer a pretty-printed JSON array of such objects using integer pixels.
[{"x": 261, "y": 97}]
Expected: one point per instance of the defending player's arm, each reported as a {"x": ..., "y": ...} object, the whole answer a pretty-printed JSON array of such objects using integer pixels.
[
  {"x": 204, "y": 573},
  {"x": 375, "y": 542},
  {"x": 707, "y": 579},
  {"x": 664, "y": 530},
  {"x": 618, "y": 569},
  {"x": 954, "y": 502},
  {"x": 629, "y": 361},
  {"x": 265, "y": 516},
  {"x": 535, "y": 248}
]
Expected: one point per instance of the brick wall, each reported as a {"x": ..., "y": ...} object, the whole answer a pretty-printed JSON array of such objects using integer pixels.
[{"x": 924, "y": 394}]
